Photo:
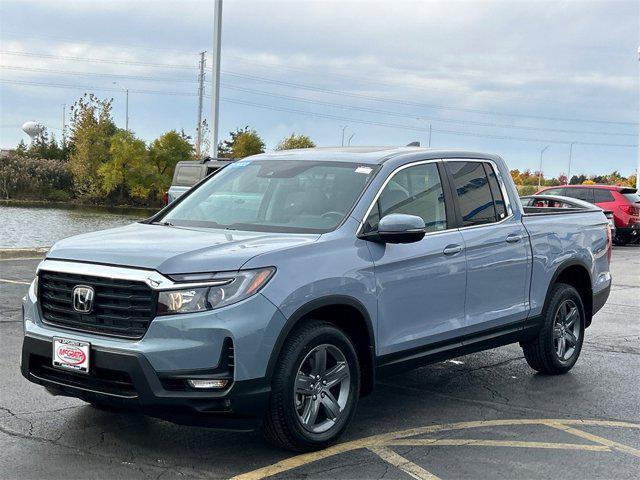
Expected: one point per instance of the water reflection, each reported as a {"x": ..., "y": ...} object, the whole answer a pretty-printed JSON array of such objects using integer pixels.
[{"x": 39, "y": 226}]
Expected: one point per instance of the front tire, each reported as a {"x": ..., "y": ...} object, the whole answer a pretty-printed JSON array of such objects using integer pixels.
[
  {"x": 558, "y": 345},
  {"x": 315, "y": 388}
]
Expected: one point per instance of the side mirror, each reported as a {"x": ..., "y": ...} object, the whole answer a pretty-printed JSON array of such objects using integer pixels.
[{"x": 399, "y": 228}]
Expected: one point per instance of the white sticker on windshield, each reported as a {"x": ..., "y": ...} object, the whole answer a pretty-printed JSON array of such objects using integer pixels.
[
  {"x": 365, "y": 170},
  {"x": 239, "y": 164}
]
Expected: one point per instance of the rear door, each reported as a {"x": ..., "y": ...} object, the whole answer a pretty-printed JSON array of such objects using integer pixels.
[
  {"x": 496, "y": 245},
  {"x": 581, "y": 193}
]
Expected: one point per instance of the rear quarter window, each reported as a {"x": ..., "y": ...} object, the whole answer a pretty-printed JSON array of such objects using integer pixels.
[
  {"x": 601, "y": 195},
  {"x": 581, "y": 193},
  {"x": 187, "y": 175}
]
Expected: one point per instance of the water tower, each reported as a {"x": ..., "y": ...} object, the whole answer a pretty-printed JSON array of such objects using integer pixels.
[{"x": 33, "y": 129}]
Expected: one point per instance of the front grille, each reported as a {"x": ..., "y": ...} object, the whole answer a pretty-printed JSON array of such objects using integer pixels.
[{"x": 121, "y": 308}]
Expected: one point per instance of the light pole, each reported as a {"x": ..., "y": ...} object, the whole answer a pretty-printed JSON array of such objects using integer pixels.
[
  {"x": 126, "y": 107},
  {"x": 540, "y": 169},
  {"x": 215, "y": 77},
  {"x": 429, "y": 135},
  {"x": 638, "y": 166},
  {"x": 569, "y": 169},
  {"x": 344, "y": 127},
  {"x": 349, "y": 140}
]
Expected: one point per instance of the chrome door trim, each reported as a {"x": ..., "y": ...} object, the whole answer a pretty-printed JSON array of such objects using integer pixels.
[{"x": 494, "y": 166}]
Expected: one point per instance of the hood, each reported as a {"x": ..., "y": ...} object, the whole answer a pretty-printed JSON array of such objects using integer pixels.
[{"x": 173, "y": 249}]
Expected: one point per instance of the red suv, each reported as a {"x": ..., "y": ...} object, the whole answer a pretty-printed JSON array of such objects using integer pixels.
[{"x": 624, "y": 202}]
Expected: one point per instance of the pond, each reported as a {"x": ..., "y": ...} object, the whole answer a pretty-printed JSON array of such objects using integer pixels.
[{"x": 41, "y": 226}]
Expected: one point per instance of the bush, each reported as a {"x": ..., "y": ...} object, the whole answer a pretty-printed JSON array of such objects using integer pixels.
[
  {"x": 34, "y": 178},
  {"x": 524, "y": 190}
]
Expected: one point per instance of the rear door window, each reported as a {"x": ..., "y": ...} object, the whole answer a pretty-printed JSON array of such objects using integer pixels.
[
  {"x": 496, "y": 192},
  {"x": 581, "y": 193},
  {"x": 600, "y": 195},
  {"x": 471, "y": 185}
]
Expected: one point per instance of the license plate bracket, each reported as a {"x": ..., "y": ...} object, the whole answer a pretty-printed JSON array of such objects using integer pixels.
[{"x": 71, "y": 355}]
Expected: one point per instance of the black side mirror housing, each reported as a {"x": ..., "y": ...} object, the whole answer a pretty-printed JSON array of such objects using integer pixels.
[{"x": 398, "y": 228}]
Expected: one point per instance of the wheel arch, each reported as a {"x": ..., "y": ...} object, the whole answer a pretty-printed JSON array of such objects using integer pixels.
[
  {"x": 348, "y": 314},
  {"x": 576, "y": 274}
]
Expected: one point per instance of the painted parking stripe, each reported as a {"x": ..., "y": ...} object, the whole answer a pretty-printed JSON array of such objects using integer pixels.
[
  {"x": 402, "y": 437},
  {"x": 473, "y": 442},
  {"x": 596, "y": 439},
  {"x": 398, "y": 461},
  {"x": 17, "y": 282}
]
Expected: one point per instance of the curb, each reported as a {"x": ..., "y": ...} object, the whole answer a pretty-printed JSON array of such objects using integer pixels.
[{"x": 22, "y": 253}]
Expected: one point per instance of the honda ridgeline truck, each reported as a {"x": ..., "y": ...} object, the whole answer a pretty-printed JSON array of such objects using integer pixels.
[{"x": 274, "y": 292}]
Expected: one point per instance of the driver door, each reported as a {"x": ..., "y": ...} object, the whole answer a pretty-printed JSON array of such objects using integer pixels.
[{"x": 422, "y": 285}]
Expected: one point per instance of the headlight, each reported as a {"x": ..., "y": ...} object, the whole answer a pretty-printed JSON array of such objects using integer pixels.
[{"x": 228, "y": 288}]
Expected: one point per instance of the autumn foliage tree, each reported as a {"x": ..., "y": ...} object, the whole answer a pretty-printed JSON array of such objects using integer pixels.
[
  {"x": 294, "y": 141},
  {"x": 241, "y": 143}
]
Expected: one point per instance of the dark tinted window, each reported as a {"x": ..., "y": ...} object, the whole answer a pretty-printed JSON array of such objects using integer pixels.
[
  {"x": 188, "y": 175},
  {"x": 581, "y": 193},
  {"x": 496, "y": 192},
  {"x": 601, "y": 195},
  {"x": 474, "y": 194},
  {"x": 553, "y": 191},
  {"x": 413, "y": 191}
]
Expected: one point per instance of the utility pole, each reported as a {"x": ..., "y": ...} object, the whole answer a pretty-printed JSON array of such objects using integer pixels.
[
  {"x": 215, "y": 91},
  {"x": 569, "y": 170},
  {"x": 349, "y": 140},
  {"x": 344, "y": 127},
  {"x": 540, "y": 169},
  {"x": 429, "y": 135},
  {"x": 200, "y": 95},
  {"x": 638, "y": 166}
]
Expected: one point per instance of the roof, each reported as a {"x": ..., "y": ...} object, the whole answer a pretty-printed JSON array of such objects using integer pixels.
[
  {"x": 606, "y": 187},
  {"x": 365, "y": 155}
]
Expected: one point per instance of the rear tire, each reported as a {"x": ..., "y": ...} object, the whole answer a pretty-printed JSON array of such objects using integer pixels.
[
  {"x": 557, "y": 347},
  {"x": 313, "y": 400}
]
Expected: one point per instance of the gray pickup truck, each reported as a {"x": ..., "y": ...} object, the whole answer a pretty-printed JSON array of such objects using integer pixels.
[{"x": 273, "y": 293}]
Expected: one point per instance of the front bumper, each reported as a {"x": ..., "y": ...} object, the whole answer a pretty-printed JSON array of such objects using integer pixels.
[
  {"x": 148, "y": 374},
  {"x": 127, "y": 380}
]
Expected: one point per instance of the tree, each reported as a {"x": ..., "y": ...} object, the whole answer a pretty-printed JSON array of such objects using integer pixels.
[
  {"x": 91, "y": 130},
  {"x": 242, "y": 143},
  {"x": 127, "y": 170},
  {"x": 164, "y": 152},
  {"x": 588, "y": 182},
  {"x": 295, "y": 141}
]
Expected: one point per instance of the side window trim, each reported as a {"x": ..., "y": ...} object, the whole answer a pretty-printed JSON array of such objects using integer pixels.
[{"x": 444, "y": 182}]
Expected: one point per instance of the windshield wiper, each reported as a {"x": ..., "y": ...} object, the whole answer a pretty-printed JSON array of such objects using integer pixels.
[{"x": 165, "y": 224}]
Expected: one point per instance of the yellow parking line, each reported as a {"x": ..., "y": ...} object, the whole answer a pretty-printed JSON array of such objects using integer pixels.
[
  {"x": 595, "y": 438},
  {"x": 408, "y": 467},
  {"x": 19, "y": 282},
  {"x": 388, "y": 438},
  {"x": 464, "y": 442}
]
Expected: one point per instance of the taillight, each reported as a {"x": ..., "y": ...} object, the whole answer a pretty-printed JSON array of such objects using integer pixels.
[
  {"x": 165, "y": 198},
  {"x": 609, "y": 243},
  {"x": 630, "y": 209}
]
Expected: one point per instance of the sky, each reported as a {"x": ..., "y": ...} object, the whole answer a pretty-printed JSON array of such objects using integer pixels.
[{"x": 505, "y": 77}]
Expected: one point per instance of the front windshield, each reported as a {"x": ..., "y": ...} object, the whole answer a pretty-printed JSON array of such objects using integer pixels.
[{"x": 299, "y": 196}]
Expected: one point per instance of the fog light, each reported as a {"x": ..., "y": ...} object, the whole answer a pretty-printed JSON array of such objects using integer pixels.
[{"x": 217, "y": 383}]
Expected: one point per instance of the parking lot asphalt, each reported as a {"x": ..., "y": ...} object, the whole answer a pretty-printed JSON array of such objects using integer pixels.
[{"x": 486, "y": 415}]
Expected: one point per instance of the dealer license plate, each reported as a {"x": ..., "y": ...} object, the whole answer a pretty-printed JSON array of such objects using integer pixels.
[{"x": 71, "y": 354}]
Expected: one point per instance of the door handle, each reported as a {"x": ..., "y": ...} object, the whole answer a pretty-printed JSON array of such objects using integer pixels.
[
  {"x": 452, "y": 249},
  {"x": 513, "y": 238}
]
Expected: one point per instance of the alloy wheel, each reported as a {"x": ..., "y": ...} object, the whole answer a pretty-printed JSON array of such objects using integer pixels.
[
  {"x": 322, "y": 388},
  {"x": 566, "y": 329}
]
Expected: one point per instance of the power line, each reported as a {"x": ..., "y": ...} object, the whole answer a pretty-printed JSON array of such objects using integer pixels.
[
  {"x": 332, "y": 104},
  {"x": 325, "y": 90},
  {"x": 323, "y": 115}
]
